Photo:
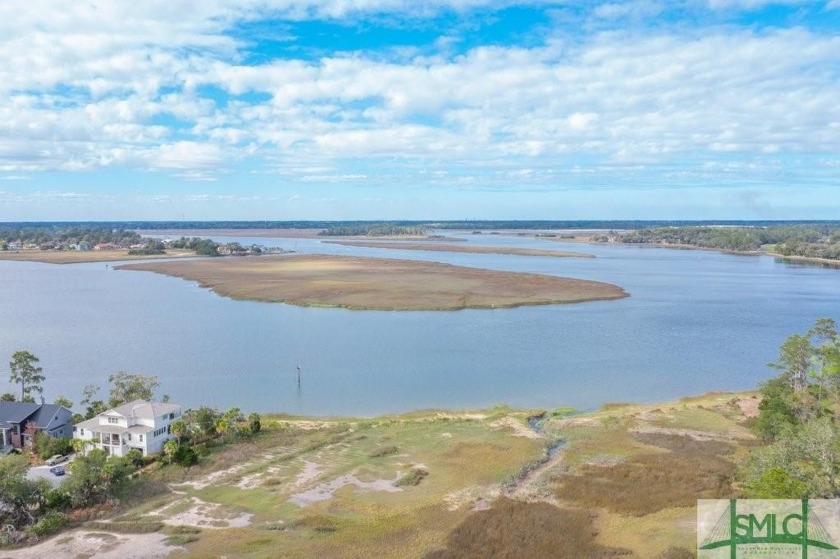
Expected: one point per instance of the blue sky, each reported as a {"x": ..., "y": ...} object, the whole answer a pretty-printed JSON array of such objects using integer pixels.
[{"x": 435, "y": 109}]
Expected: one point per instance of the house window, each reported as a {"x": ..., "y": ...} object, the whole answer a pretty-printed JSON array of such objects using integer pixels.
[
  {"x": 81, "y": 431},
  {"x": 141, "y": 438},
  {"x": 113, "y": 420}
]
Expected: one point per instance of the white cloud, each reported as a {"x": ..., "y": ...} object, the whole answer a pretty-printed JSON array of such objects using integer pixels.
[
  {"x": 751, "y": 4},
  {"x": 125, "y": 85}
]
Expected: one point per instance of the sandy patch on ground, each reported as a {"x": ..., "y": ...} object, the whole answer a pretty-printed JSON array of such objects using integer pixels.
[
  {"x": 325, "y": 491},
  {"x": 377, "y": 283},
  {"x": 519, "y": 430},
  {"x": 83, "y": 544},
  {"x": 693, "y": 434},
  {"x": 310, "y": 472},
  {"x": 571, "y": 422},
  {"x": 202, "y": 514},
  {"x": 748, "y": 406},
  {"x": 254, "y": 481},
  {"x": 473, "y": 416},
  {"x": 212, "y": 478},
  {"x": 472, "y": 496}
]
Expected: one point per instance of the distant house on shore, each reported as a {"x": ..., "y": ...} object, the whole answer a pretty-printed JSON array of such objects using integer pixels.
[
  {"x": 20, "y": 421},
  {"x": 107, "y": 246},
  {"x": 138, "y": 424}
]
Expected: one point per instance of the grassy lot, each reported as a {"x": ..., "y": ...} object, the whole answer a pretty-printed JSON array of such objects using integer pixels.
[
  {"x": 481, "y": 484},
  {"x": 376, "y": 283}
]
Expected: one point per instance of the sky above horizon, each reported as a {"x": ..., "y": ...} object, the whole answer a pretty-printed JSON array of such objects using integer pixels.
[{"x": 424, "y": 109}]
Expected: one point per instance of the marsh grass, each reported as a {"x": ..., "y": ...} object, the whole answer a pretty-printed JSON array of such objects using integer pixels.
[
  {"x": 515, "y": 529},
  {"x": 412, "y": 478},
  {"x": 648, "y": 483},
  {"x": 129, "y": 527},
  {"x": 382, "y": 451}
]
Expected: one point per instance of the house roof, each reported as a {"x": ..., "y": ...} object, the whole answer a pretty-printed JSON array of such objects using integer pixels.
[
  {"x": 144, "y": 410},
  {"x": 48, "y": 416},
  {"x": 18, "y": 412}
]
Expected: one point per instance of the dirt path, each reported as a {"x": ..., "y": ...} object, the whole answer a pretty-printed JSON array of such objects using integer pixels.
[{"x": 102, "y": 545}]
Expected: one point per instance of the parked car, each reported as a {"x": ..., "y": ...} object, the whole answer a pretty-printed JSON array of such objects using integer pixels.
[
  {"x": 57, "y": 470},
  {"x": 53, "y": 460}
]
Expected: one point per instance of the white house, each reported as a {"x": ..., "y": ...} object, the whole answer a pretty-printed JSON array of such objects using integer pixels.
[{"x": 138, "y": 424}]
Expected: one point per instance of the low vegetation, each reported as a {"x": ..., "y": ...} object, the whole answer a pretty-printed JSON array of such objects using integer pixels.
[
  {"x": 374, "y": 230},
  {"x": 379, "y": 284}
]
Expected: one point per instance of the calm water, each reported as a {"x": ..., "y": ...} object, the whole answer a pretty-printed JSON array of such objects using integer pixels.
[{"x": 696, "y": 321}]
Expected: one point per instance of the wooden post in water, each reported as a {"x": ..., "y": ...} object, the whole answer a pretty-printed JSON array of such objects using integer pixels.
[{"x": 298, "y": 371}]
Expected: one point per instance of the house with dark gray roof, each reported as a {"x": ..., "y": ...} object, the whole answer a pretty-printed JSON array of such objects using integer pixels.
[{"x": 21, "y": 420}]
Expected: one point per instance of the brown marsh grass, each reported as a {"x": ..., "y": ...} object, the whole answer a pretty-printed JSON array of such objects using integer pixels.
[
  {"x": 513, "y": 529},
  {"x": 377, "y": 283},
  {"x": 647, "y": 483}
]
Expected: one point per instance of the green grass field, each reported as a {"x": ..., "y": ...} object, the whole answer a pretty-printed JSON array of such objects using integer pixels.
[{"x": 474, "y": 484}]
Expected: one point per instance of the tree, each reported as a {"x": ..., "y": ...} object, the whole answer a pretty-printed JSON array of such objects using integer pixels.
[
  {"x": 63, "y": 401},
  {"x": 179, "y": 429},
  {"x": 254, "y": 424},
  {"x": 95, "y": 477},
  {"x": 8, "y": 397},
  {"x": 126, "y": 387},
  {"x": 93, "y": 407},
  {"x": 25, "y": 370},
  {"x": 204, "y": 420},
  {"x": 810, "y": 457},
  {"x": 795, "y": 360},
  {"x": 20, "y": 496}
]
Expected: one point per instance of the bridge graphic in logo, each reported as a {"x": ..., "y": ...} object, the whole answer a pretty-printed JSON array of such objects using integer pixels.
[{"x": 768, "y": 527}]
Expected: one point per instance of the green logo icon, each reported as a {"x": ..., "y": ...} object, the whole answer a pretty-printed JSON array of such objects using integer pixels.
[{"x": 767, "y": 528}]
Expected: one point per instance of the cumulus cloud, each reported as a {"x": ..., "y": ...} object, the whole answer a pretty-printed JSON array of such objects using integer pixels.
[{"x": 166, "y": 86}]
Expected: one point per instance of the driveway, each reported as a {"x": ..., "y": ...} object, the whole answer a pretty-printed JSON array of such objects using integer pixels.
[{"x": 43, "y": 472}]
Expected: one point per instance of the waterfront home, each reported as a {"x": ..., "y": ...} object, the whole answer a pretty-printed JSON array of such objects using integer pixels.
[
  {"x": 20, "y": 421},
  {"x": 138, "y": 424}
]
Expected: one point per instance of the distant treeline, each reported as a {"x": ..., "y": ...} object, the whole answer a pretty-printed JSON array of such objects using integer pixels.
[
  {"x": 374, "y": 230},
  {"x": 469, "y": 225},
  {"x": 813, "y": 240},
  {"x": 41, "y": 234}
]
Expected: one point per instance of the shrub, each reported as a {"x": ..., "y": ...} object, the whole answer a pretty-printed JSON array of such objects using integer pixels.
[
  {"x": 49, "y": 523},
  {"x": 131, "y": 527},
  {"x": 383, "y": 451},
  {"x": 414, "y": 477},
  {"x": 180, "y": 539},
  {"x": 56, "y": 500}
]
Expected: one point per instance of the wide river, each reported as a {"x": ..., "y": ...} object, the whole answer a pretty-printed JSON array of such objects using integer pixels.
[{"x": 695, "y": 321}]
